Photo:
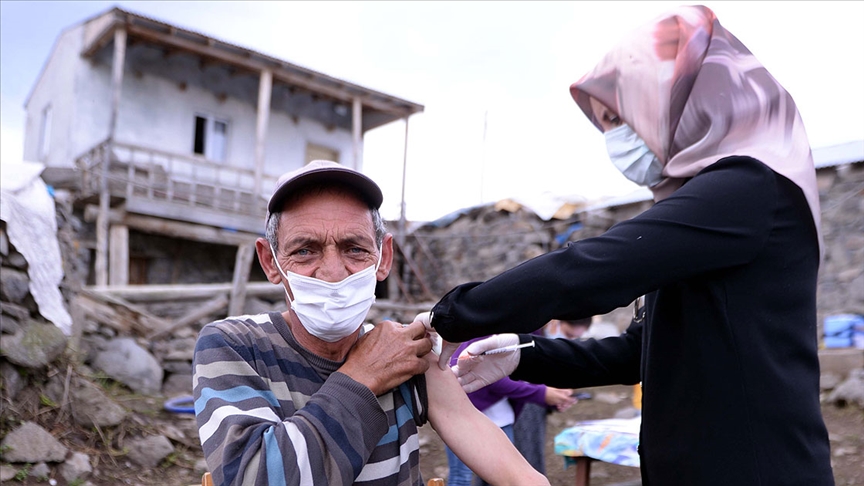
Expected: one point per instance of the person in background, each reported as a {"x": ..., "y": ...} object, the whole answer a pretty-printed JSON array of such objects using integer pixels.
[
  {"x": 529, "y": 429},
  {"x": 309, "y": 396},
  {"x": 724, "y": 341},
  {"x": 566, "y": 329},
  {"x": 503, "y": 402}
]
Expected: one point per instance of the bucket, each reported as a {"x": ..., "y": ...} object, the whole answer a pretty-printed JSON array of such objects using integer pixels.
[
  {"x": 858, "y": 333},
  {"x": 843, "y": 330}
]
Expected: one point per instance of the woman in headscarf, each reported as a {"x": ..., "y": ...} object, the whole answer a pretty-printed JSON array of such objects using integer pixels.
[{"x": 725, "y": 345}]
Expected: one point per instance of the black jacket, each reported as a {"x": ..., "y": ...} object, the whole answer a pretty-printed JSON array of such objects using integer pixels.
[{"x": 727, "y": 352}]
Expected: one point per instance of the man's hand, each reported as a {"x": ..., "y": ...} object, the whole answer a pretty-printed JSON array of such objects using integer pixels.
[
  {"x": 475, "y": 371},
  {"x": 389, "y": 354},
  {"x": 447, "y": 348}
]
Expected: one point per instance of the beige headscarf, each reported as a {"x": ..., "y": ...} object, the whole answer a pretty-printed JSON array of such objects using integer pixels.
[{"x": 695, "y": 94}]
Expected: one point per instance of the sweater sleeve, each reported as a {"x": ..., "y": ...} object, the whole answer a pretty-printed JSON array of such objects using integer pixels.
[
  {"x": 250, "y": 435},
  {"x": 718, "y": 219}
]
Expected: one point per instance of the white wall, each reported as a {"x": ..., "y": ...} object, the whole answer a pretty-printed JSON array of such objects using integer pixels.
[
  {"x": 156, "y": 113},
  {"x": 54, "y": 88}
]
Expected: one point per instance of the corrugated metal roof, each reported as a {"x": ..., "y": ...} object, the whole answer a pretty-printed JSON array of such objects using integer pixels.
[{"x": 844, "y": 153}]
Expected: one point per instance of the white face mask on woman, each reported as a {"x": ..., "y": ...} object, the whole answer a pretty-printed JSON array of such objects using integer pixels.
[
  {"x": 632, "y": 157},
  {"x": 331, "y": 311}
]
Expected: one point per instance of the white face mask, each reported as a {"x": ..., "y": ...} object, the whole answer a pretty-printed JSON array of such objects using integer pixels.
[
  {"x": 331, "y": 311},
  {"x": 632, "y": 157}
]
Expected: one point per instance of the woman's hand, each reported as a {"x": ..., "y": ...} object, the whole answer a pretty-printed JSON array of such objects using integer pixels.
[{"x": 475, "y": 371}]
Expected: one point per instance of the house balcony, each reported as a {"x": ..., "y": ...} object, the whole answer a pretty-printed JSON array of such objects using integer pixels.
[{"x": 179, "y": 187}]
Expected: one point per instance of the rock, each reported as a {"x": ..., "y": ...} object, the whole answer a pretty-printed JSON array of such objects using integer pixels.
[
  {"x": 19, "y": 312},
  {"x": 40, "y": 471},
  {"x": 201, "y": 466},
  {"x": 175, "y": 349},
  {"x": 12, "y": 381},
  {"x": 54, "y": 388},
  {"x": 828, "y": 381},
  {"x": 31, "y": 443},
  {"x": 14, "y": 285},
  {"x": 127, "y": 362},
  {"x": 610, "y": 398},
  {"x": 76, "y": 467},
  {"x": 16, "y": 260},
  {"x": 628, "y": 413},
  {"x": 180, "y": 367},
  {"x": 90, "y": 406},
  {"x": 150, "y": 451},
  {"x": 34, "y": 346},
  {"x": 9, "y": 325},
  {"x": 7, "y": 473},
  {"x": 106, "y": 331},
  {"x": 177, "y": 384},
  {"x": 850, "y": 391},
  {"x": 844, "y": 451}
]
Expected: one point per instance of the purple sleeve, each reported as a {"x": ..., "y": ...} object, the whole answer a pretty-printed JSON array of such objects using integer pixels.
[{"x": 519, "y": 392}]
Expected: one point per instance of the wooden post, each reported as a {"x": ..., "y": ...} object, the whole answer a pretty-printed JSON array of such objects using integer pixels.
[
  {"x": 204, "y": 310},
  {"x": 118, "y": 255},
  {"x": 265, "y": 88},
  {"x": 583, "y": 470},
  {"x": 101, "y": 264},
  {"x": 242, "y": 266},
  {"x": 400, "y": 236},
  {"x": 357, "y": 131}
]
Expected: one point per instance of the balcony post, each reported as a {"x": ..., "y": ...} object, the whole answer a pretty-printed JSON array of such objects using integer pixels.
[
  {"x": 265, "y": 86},
  {"x": 118, "y": 268},
  {"x": 118, "y": 62},
  {"x": 357, "y": 131}
]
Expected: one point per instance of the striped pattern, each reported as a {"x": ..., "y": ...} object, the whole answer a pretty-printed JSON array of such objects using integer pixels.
[{"x": 271, "y": 413}]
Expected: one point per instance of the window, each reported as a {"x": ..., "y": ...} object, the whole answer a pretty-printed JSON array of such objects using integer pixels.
[
  {"x": 45, "y": 133},
  {"x": 211, "y": 136},
  {"x": 320, "y": 152}
]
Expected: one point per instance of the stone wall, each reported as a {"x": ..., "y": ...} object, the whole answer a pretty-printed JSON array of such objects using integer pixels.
[
  {"x": 480, "y": 243},
  {"x": 841, "y": 276}
]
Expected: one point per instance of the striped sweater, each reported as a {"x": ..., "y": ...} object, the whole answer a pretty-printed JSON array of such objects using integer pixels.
[{"x": 270, "y": 412}]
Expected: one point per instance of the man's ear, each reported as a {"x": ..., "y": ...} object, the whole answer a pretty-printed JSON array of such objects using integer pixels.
[
  {"x": 268, "y": 264},
  {"x": 386, "y": 258}
]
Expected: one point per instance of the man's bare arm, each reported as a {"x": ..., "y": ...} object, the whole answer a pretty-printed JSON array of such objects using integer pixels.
[{"x": 480, "y": 444}]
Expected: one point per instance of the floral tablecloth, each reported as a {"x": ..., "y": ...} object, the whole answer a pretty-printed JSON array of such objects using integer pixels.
[{"x": 613, "y": 440}]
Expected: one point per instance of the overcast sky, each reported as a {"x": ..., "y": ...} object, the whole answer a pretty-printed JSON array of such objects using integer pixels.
[{"x": 503, "y": 65}]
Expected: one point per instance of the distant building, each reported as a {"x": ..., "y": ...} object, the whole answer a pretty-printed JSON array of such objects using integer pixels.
[{"x": 170, "y": 128}]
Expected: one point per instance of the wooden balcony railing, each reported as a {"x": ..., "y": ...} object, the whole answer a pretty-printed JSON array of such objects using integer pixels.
[{"x": 136, "y": 173}]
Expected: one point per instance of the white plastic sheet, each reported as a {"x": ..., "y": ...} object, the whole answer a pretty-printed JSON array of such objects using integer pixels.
[{"x": 31, "y": 225}]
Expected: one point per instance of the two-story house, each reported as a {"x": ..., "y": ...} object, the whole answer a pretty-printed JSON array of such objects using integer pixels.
[{"x": 162, "y": 130}]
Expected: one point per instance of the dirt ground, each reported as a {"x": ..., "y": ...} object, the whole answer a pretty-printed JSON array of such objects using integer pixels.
[
  {"x": 845, "y": 429},
  {"x": 112, "y": 466}
]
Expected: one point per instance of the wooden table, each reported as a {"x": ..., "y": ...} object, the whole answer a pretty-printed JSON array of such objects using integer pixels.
[{"x": 614, "y": 441}]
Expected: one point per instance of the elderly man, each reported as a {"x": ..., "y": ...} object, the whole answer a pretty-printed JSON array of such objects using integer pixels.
[{"x": 306, "y": 397}]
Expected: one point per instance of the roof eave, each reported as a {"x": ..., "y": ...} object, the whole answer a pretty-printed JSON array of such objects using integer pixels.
[{"x": 292, "y": 74}]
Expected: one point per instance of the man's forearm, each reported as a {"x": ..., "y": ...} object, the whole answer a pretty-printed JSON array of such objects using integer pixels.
[{"x": 475, "y": 439}]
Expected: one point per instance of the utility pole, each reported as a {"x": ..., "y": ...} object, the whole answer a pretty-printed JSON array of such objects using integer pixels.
[{"x": 483, "y": 155}]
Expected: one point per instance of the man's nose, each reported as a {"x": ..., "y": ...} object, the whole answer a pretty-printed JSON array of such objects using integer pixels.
[{"x": 332, "y": 268}]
